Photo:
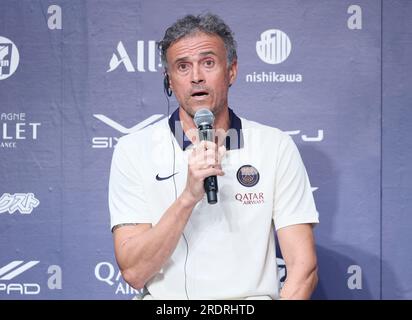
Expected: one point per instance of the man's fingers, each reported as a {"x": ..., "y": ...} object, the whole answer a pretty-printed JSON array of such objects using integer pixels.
[
  {"x": 205, "y": 145},
  {"x": 204, "y": 158},
  {"x": 221, "y": 153},
  {"x": 204, "y": 173},
  {"x": 210, "y": 157}
]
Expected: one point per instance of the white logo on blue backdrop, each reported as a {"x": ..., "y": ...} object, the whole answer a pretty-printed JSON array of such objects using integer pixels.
[
  {"x": 106, "y": 272},
  {"x": 274, "y": 46},
  {"x": 9, "y": 58},
  {"x": 11, "y": 271},
  {"x": 15, "y": 128},
  {"x": 110, "y": 142},
  {"x": 21, "y": 202},
  {"x": 147, "y": 57},
  {"x": 9, "y": 286},
  {"x": 281, "y": 271}
]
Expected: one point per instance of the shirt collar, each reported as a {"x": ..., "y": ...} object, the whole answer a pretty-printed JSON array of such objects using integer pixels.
[{"x": 231, "y": 143}]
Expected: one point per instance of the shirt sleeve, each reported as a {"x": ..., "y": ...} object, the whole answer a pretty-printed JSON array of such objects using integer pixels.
[
  {"x": 127, "y": 202},
  {"x": 293, "y": 198}
]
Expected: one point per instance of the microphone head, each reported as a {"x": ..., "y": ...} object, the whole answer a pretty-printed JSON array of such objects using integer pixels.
[{"x": 204, "y": 117}]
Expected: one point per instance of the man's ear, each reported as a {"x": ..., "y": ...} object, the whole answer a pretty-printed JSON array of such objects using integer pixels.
[
  {"x": 232, "y": 72},
  {"x": 166, "y": 76},
  {"x": 170, "y": 84},
  {"x": 166, "y": 84}
]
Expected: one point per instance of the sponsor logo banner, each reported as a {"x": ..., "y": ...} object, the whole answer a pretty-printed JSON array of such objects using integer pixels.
[{"x": 9, "y": 58}]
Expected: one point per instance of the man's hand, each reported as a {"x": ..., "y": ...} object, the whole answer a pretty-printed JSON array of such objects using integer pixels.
[{"x": 204, "y": 161}]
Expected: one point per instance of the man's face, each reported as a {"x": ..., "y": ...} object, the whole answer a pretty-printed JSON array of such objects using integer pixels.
[{"x": 198, "y": 72}]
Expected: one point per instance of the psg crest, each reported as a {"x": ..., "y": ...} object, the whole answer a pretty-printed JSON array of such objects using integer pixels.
[{"x": 248, "y": 176}]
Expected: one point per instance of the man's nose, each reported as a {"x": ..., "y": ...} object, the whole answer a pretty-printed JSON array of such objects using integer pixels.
[{"x": 197, "y": 75}]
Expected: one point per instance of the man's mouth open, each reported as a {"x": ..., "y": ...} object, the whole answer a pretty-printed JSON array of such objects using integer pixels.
[{"x": 200, "y": 95}]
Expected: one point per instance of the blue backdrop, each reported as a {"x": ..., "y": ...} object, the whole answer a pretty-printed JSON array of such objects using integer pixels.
[{"x": 76, "y": 75}]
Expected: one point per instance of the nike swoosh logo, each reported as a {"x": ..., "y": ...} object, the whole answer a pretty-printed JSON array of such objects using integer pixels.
[{"x": 164, "y": 178}]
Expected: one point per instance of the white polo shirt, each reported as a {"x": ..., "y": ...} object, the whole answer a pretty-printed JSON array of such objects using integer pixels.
[{"x": 231, "y": 244}]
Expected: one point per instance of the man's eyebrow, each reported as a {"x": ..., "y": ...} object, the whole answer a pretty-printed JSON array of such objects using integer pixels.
[{"x": 205, "y": 53}]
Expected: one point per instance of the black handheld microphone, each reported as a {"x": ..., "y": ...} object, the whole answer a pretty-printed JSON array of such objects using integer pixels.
[{"x": 204, "y": 122}]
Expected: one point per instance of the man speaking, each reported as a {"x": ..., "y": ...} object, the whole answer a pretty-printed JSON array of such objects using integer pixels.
[{"x": 172, "y": 238}]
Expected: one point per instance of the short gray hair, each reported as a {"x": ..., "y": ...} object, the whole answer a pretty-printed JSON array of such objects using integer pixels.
[{"x": 208, "y": 23}]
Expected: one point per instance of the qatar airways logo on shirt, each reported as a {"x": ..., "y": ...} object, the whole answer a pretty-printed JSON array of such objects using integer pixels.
[
  {"x": 250, "y": 198},
  {"x": 248, "y": 176}
]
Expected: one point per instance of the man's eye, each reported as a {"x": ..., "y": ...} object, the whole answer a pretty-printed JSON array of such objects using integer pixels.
[
  {"x": 182, "y": 67},
  {"x": 209, "y": 63}
]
